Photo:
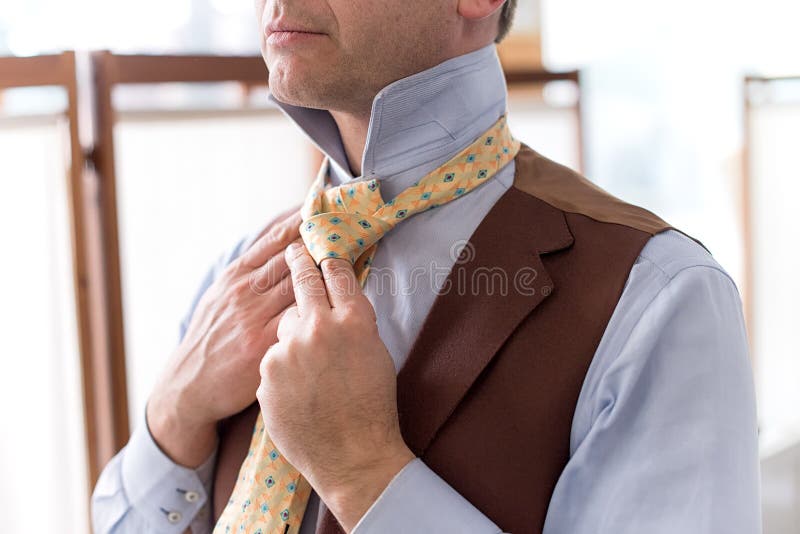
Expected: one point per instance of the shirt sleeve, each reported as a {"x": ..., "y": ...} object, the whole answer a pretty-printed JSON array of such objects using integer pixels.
[
  {"x": 418, "y": 500},
  {"x": 665, "y": 434},
  {"x": 141, "y": 491}
]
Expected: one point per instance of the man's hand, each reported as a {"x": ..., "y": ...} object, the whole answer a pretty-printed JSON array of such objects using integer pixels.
[
  {"x": 213, "y": 373},
  {"x": 328, "y": 390}
]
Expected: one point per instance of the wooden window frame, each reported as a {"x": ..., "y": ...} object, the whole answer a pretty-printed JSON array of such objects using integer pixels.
[{"x": 60, "y": 71}]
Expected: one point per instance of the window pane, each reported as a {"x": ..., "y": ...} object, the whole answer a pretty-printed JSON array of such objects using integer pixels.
[
  {"x": 42, "y": 458},
  {"x": 545, "y": 118},
  {"x": 775, "y": 184}
]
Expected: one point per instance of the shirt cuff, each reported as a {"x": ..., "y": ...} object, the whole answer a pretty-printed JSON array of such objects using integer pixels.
[
  {"x": 418, "y": 500},
  {"x": 167, "y": 495}
]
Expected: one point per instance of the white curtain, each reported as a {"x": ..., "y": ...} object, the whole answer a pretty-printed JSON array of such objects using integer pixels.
[{"x": 42, "y": 457}]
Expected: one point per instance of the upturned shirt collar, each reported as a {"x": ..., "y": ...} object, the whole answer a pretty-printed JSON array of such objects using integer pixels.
[{"x": 417, "y": 123}]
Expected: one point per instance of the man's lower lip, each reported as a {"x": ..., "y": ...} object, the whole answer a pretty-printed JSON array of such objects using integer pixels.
[{"x": 286, "y": 38}]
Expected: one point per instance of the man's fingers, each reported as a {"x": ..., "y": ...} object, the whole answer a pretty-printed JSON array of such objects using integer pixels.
[
  {"x": 276, "y": 300},
  {"x": 269, "y": 275},
  {"x": 340, "y": 282},
  {"x": 274, "y": 240},
  {"x": 309, "y": 288}
]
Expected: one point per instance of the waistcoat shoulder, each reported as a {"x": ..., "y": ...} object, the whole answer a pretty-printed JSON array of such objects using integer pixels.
[{"x": 570, "y": 192}]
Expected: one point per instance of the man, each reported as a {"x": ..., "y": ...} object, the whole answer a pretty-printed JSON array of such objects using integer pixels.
[{"x": 546, "y": 358}]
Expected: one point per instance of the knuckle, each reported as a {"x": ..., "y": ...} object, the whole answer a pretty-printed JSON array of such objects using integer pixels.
[
  {"x": 281, "y": 233},
  {"x": 239, "y": 285},
  {"x": 358, "y": 313},
  {"x": 307, "y": 280},
  {"x": 349, "y": 313},
  {"x": 285, "y": 321},
  {"x": 295, "y": 251},
  {"x": 261, "y": 392},
  {"x": 235, "y": 266},
  {"x": 315, "y": 324},
  {"x": 305, "y": 274},
  {"x": 289, "y": 317},
  {"x": 251, "y": 257},
  {"x": 337, "y": 277},
  {"x": 313, "y": 331},
  {"x": 239, "y": 289},
  {"x": 270, "y": 365},
  {"x": 257, "y": 281},
  {"x": 231, "y": 274},
  {"x": 291, "y": 345},
  {"x": 263, "y": 278}
]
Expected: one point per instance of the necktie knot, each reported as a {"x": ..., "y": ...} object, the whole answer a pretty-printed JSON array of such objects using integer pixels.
[
  {"x": 348, "y": 220},
  {"x": 362, "y": 197}
]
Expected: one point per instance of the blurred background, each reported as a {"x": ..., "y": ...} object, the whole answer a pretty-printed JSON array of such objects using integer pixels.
[{"x": 141, "y": 144}]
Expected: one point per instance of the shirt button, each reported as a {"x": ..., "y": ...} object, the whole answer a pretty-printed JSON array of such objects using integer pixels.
[
  {"x": 191, "y": 496},
  {"x": 174, "y": 517}
]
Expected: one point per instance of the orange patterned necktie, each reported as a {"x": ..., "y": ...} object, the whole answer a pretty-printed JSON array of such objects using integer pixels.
[{"x": 347, "y": 221}]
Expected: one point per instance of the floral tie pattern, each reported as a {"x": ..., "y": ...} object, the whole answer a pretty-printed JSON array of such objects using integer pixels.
[{"x": 346, "y": 222}]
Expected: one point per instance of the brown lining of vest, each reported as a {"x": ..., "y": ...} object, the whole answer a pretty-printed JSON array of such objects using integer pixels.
[{"x": 568, "y": 191}]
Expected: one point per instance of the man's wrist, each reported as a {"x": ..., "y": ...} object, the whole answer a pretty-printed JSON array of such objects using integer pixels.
[
  {"x": 351, "y": 497},
  {"x": 186, "y": 443}
]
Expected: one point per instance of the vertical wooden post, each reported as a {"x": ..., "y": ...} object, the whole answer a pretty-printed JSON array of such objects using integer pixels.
[
  {"x": 81, "y": 266},
  {"x": 111, "y": 381}
]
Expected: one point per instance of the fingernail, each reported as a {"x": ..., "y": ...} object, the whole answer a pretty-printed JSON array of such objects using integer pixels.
[{"x": 293, "y": 248}]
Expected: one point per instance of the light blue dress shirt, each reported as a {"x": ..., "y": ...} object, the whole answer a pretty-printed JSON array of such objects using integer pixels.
[{"x": 664, "y": 435}]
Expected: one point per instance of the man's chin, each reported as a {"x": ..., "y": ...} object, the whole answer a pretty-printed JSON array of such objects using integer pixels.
[
  {"x": 294, "y": 91},
  {"x": 302, "y": 83}
]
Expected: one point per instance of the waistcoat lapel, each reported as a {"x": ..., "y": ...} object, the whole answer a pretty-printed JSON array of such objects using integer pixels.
[{"x": 497, "y": 281}]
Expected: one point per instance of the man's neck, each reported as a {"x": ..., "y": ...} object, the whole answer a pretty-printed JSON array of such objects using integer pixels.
[
  {"x": 412, "y": 125},
  {"x": 353, "y": 131}
]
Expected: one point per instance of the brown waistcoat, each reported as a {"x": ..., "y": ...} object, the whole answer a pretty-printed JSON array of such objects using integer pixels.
[{"x": 487, "y": 395}]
